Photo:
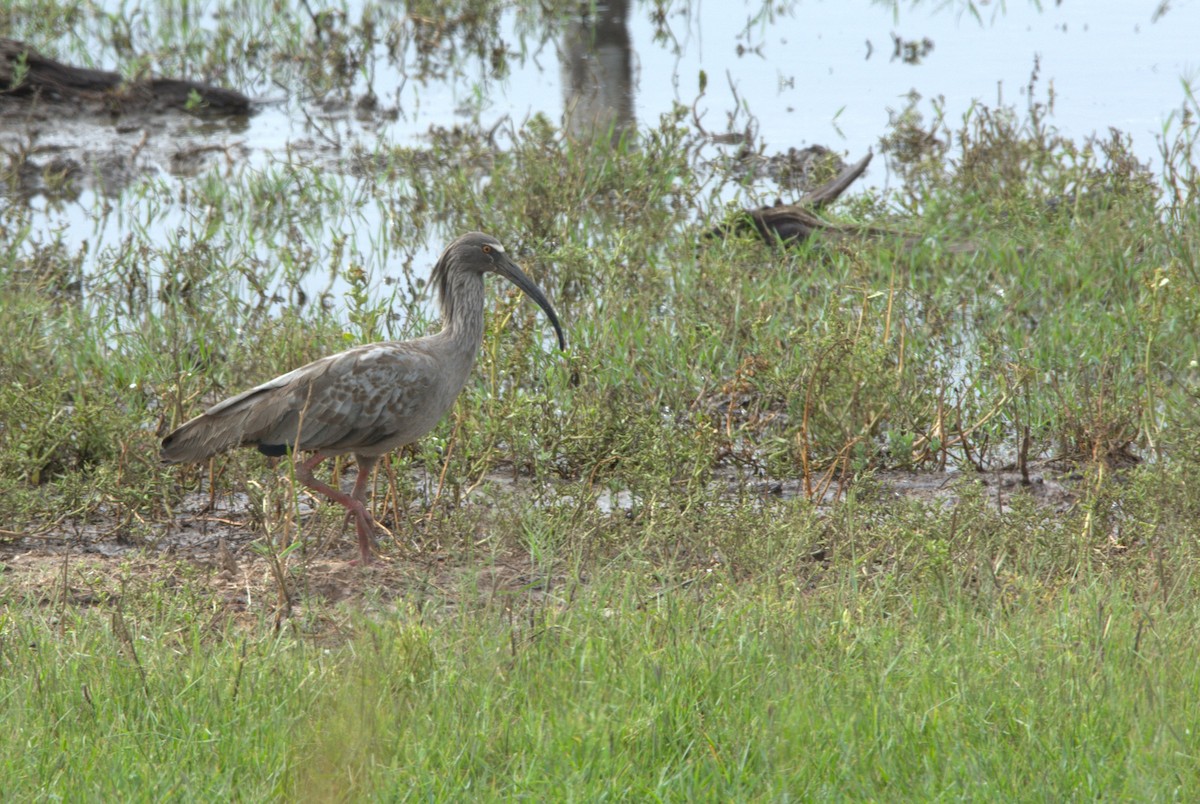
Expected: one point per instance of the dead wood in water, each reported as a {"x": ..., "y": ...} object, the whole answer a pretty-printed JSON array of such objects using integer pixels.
[
  {"x": 25, "y": 74},
  {"x": 794, "y": 223},
  {"x": 791, "y": 224}
]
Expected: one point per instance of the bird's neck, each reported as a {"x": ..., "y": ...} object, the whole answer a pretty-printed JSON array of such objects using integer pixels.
[{"x": 462, "y": 313}]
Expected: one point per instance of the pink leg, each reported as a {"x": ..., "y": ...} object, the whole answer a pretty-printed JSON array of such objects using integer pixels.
[
  {"x": 354, "y": 503},
  {"x": 366, "y": 465}
]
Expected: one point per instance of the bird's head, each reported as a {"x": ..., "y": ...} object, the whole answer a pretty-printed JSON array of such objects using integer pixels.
[{"x": 481, "y": 253}]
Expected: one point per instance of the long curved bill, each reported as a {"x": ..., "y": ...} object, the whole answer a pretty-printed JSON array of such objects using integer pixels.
[{"x": 513, "y": 273}]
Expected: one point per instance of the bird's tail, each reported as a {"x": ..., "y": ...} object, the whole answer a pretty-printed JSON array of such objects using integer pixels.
[{"x": 201, "y": 438}]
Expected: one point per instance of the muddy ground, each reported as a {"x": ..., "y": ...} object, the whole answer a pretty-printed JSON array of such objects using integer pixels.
[
  {"x": 64, "y": 127},
  {"x": 214, "y": 542},
  {"x": 58, "y": 152}
]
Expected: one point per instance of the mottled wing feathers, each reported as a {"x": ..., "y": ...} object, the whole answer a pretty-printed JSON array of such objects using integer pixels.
[{"x": 373, "y": 395}]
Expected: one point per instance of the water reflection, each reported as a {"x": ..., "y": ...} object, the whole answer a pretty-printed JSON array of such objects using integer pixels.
[
  {"x": 597, "y": 73},
  {"x": 795, "y": 71}
]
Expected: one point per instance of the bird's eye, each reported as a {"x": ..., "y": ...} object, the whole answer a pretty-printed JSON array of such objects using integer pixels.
[{"x": 487, "y": 249}]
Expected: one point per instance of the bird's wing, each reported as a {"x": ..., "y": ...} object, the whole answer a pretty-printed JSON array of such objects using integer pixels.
[
  {"x": 354, "y": 399},
  {"x": 357, "y": 398}
]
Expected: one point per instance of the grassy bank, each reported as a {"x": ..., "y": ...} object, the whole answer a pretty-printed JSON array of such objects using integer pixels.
[{"x": 983, "y": 674}]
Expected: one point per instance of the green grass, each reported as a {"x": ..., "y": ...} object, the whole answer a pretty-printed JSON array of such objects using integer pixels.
[
  {"x": 920, "y": 680},
  {"x": 705, "y": 639},
  {"x": 753, "y": 694}
]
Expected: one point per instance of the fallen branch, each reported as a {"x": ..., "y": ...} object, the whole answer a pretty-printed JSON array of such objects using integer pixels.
[
  {"x": 26, "y": 74},
  {"x": 794, "y": 223}
]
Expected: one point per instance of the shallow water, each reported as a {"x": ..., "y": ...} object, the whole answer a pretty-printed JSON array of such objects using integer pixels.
[{"x": 828, "y": 73}]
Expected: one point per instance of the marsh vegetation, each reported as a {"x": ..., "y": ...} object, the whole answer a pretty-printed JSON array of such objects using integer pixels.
[{"x": 873, "y": 517}]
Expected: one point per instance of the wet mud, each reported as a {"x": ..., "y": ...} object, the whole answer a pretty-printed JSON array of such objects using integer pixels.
[
  {"x": 64, "y": 128},
  {"x": 218, "y": 541}
]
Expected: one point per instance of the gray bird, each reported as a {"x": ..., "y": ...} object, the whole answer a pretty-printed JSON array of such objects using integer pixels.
[{"x": 368, "y": 400}]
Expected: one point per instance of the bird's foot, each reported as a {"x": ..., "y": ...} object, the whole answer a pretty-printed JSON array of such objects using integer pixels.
[{"x": 351, "y": 518}]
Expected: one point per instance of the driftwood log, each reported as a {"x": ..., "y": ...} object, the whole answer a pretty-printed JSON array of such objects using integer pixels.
[
  {"x": 791, "y": 224},
  {"x": 25, "y": 74}
]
